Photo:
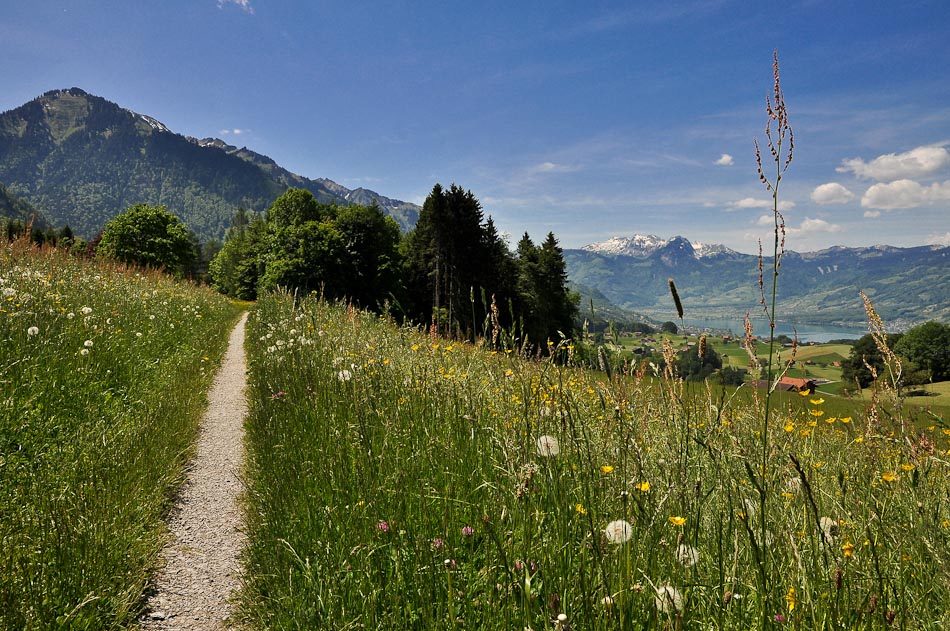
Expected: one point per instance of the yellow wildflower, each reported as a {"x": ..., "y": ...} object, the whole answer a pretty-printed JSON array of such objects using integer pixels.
[
  {"x": 790, "y": 598},
  {"x": 606, "y": 469},
  {"x": 789, "y": 427},
  {"x": 817, "y": 401},
  {"x": 804, "y": 393},
  {"x": 830, "y": 420},
  {"x": 908, "y": 467},
  {"x": 579, "y": 508},
  {"x": 889, "y": 476},
  {"x": 845, "y": 419},
  {"x": 677, "y": 521},
  {"x": 816, "y": 412},
  {"x": 643, "y": 487},
  {"x": 848, "y": 549}
]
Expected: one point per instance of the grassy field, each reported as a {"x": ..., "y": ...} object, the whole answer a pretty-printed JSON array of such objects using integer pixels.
[
  {"x": 398, "y": 481},
  {"x": 103, "y": 376}
]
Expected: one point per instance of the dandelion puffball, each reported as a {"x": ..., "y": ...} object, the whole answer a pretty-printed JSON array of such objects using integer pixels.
[
  {"x": 87, "y": 343},
  {"x": 548, "y": 446},
  {"x": 33, "y": 330},
  {"x": 829, "y": 527},
  {"x": 687, "y": 555},
  {"x": 618, "y": 531},
  {"x": 668, "y": 599}
]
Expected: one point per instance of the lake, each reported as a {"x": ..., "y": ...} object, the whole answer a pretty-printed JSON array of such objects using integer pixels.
[{"x": 806, "y": 332}]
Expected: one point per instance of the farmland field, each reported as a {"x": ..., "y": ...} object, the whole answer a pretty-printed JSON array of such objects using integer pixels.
[
  {"x": 103, "y": 374},
  {"x": 402, "y": 481}
]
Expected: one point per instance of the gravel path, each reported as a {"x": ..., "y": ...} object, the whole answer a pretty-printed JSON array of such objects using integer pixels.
[{"x": 201, "y": 566}]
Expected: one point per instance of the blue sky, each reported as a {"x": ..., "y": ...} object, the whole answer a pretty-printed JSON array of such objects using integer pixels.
[{"x": 589, "y": 119}]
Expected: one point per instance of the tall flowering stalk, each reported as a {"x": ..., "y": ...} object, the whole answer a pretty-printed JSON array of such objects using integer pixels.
[{"x": 780, "y": 141}]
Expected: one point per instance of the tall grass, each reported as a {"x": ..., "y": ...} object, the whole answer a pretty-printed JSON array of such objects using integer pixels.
[
  {"x": 400, "y": 481},
  {"x": 103, "y": 374}
]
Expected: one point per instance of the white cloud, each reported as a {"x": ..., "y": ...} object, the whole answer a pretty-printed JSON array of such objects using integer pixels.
[
  {"x": 233, "y": 132},
  {"x": 905, "y": 194},
  {"x": 812, "y": 226},
  {"x": 871, "y": 214},
  {"x": 939, "y": 239},
  {"x": 916, "y": 163},
  {"x": 752, "y": 202},
  {"x": 244, "y": 4},
  {"x": 831, "y": 193},
  {"x": 765, "y": 220},
  {"x": 725, "y": 160}
]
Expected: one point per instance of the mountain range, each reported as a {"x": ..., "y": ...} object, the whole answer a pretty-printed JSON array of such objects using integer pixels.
[
  {"x": 80, "y": 160},
  {"x": 906, "y": 285}
]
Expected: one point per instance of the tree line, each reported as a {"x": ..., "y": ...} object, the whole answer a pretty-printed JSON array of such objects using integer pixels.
[{"x": 453, "y": 271}]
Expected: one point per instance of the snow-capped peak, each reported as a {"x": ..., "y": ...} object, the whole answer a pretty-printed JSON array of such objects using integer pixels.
[
  {"x": 644, "y": 245},
  {"x": 637, "y": 245}
]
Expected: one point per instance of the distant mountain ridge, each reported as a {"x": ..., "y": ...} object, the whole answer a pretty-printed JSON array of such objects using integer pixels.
[
  {"x": 907, "y": 285},
  {"x": 81, "y": 160}
]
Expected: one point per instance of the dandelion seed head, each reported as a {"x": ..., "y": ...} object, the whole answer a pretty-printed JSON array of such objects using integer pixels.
[
  {"x": 668, "y": 599},
  {"x": 33, "y": 330},
  {"x": 618, "y": 531},
  {"x": 548, "y": 446},
  {"x": 687, "y": 556}
]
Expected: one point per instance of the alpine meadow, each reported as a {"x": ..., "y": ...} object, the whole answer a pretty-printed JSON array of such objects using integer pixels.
[{"x": 490, "y": 397}]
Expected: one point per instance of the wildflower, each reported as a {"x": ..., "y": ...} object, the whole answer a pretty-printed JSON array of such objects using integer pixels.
[
  {"x": 382, "y": 526},
  {"x": 579, "y": 509},
  {"x": 830, "y": 420},
  {"x": 548, "y": 446},
  {"x": 804, "y": 393},
  {"x": 668, "y": 599},
  {"x": 848, "y": 549},
  {"x": 677, "y": 521},
  {"x": 70, "y": 315},
  {"x": 817, "y": 401},
  {"x": 450, "y": 564},
  {"x": 793, "y": 485},
  {"x": 467, "y": 531},
  {"x": 816, "y": 413},
  {"x": 607, "y": 602},
  {"x": 688, "y": 556},
  {"x": 33, "y": 330},
  {"x": 643, "y": 487},
  {"x": 438, "y": 543},
  {"x": 908, "y": 467},
  {"x": 790, "y": 598},
  {"x": 889, "y": 476},
  {"x": 84, "y": 351},
  {"x": 87, "y": 343},
  {"x": 344, "y": 375},
  {"x": 618, "y": 531},
  {"x": 789, "y": 427},
  {"x": 845, "y": 419},
  {"x": 86, "y": 310},
  {"x": 780, "y": 618},
  {"x": 606, "y": 469}
]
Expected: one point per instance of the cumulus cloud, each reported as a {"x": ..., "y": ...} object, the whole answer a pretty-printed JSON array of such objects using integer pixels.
[
  {"x": 916, "y": 163},
  {"x": 939, "y": 239},
  {"x": 725, "y": 160},
  {"x": 831, "y": 193},
  {"x": 244, "y": 4},
  {"x": 765, "y": 220},
  {"x": 233, "y": 132},
  {"x": 871, "y": 214},
  {"x": 905, "y": 194},
  {"x": 752, "y": 202},
  {"x": 812, "y": 226}
]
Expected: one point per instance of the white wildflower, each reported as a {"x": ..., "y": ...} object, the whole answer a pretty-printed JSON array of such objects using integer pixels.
[
  {"x": 618, "y": 531},
  {"x": 548, "y": 446},
  {"x": 86, "y": 310},
  {"x": 344, "y": 375},
  {"x": 9, "y": 292},
  {"x": 84, "y": 351},
  {"x": 70, "y": 315}
]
